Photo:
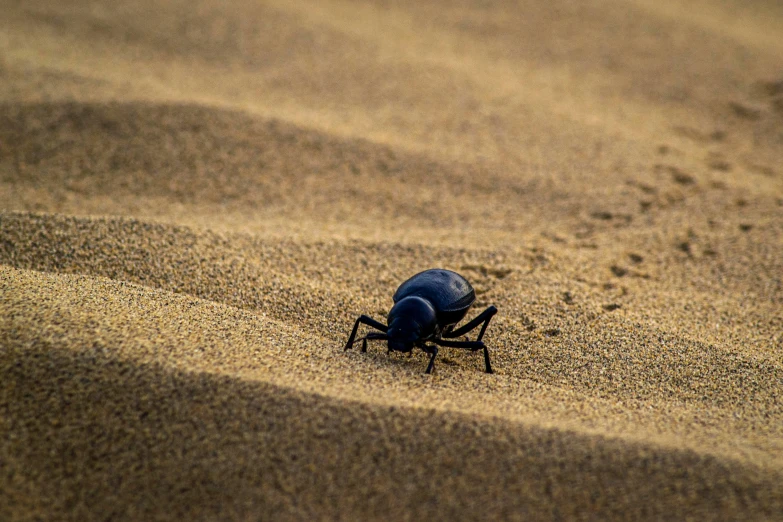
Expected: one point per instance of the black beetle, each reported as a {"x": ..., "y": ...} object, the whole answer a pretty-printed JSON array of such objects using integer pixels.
[{"x": 426, "y": 308}]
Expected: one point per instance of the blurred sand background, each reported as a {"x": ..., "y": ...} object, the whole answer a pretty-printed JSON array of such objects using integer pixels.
[{"x": 199, "y": 198}]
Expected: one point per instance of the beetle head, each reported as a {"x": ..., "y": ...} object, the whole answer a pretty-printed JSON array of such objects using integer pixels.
[{"x": 410, "y": 319}]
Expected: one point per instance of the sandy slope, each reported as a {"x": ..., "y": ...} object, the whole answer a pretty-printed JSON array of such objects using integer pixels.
[{"x": 198, "y": 199}]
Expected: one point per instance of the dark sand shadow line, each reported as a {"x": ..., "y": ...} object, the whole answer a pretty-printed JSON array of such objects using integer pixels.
[
  {"x": 195, "y": 153},
  {"x": 94, "y": 437}
]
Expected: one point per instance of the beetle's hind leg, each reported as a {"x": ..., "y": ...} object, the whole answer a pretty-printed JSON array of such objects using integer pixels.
[
  {"x": 468, "y": 345},
  {"x": 369, "y": 321},
  {"x": 483, "y": 317}
]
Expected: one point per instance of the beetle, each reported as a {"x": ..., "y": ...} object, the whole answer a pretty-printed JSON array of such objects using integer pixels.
[{"x": 426, "y": 309}]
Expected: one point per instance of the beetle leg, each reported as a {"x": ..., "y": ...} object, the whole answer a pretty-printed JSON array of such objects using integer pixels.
[
  {"x": 433, "y": 351},
  {"x": 468, "y": 345},
  {"x": 449, "y": 328},
  {"x": 483, "y": 317},
  {"x": 370, "y": 336},
  {"x": 368, "y": 321},
  {"x": 488, "y": 368}
]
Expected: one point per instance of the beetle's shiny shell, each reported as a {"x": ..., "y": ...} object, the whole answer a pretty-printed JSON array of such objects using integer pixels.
[{"x": 450, "y": 294}]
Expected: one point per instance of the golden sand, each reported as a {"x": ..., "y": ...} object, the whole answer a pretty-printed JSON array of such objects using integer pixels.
[{"x": 198, "y": 199}]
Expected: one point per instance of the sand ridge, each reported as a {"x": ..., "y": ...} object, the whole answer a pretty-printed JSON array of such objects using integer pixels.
[{"x": 195, "y": 207}]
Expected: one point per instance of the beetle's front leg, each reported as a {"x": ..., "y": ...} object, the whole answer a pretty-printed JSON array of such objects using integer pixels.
[
  {"x": 368, "y": 321},
  {"x": 433, "y": 351}
]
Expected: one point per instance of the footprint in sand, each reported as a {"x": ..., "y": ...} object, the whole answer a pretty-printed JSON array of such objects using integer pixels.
[
  {"x": 764, "y": 170},
  {"x": 678, "y": 175},
  {"x": 770, "y": 92},
  {"x": 618, "y": 271},
  {"x": 767, "y": 99},
  {"x": 699, "y": 136},
  {"x": 745, "y": 111},
  {"x": 485, "y": 277},
  {"x": 716, "y": 161}
]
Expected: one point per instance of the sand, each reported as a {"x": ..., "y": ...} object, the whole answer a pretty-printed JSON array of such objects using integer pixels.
[{"x": 198, "y": 199}]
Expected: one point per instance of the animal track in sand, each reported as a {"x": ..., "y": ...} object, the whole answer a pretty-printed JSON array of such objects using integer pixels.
[
  {"x": 483, "y": 278},
  {"x": 745, "y": 111},
  {"x": 618, "y": 219},
  {"x": 699, "y": 136},
  {"x": 647, "y": 189},
  {"x": 770, "y": 94},
  {"x": 695, "y": 248},
  {"x": 606, "y": 216},
  {"x": 678, "y": 175},
  {"x": 664, "y": 195},
  {"x": 761, "y": 169},
  {"x": 621, "y": 271},
  {"x": 496, "y": 272},
  {"x": 620, "y": 291},
  {"x": 772, "y": 88},
  {"x": 528, "y": 323},
  {"x": 717, "y": 161},
  {"x": 685, "y": 247},
  {"x": 763, "y": 100}
]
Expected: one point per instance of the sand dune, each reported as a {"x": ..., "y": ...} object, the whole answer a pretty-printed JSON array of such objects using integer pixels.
[
  {"x": 188, "y": 439},
  {"x": 198, "y": 199}
]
